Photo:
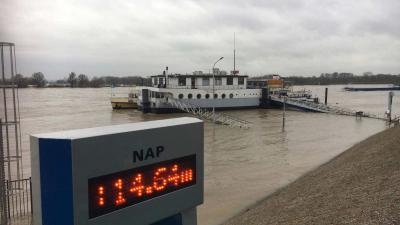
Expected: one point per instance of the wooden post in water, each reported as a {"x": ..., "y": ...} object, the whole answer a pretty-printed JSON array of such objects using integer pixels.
[{"x": 326, "y": 96}]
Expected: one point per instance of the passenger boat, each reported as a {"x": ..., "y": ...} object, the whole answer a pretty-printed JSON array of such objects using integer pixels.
[{"x": 219, "y": 91}]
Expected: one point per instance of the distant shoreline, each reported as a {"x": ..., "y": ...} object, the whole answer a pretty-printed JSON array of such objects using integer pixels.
[
  {"x": 360, "y": 186},
  {"x": 118, "y": 86}
]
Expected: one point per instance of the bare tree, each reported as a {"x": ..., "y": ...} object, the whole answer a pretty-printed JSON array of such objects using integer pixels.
[
  {"x": 97, "y": 82},
  {"x": 21, "y": 81},
  {"x": 83, "y": 80},
  {"x": 72, "y": 79},
  {"x": 38, "y": 79}
]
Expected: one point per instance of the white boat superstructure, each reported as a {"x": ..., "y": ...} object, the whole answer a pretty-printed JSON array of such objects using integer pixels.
[{"x": 221, "y": 91}]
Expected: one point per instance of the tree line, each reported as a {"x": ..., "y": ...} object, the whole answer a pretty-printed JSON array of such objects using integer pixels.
[
  {"x": 73, "y": 80},
  {"x": 341, "y": 78}
]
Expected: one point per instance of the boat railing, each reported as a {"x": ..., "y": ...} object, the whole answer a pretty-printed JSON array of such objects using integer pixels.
[
  {"x": 205, "y": 87},
  {"x": 327, "y": 108},
  {"x": 203, "y": 113}
]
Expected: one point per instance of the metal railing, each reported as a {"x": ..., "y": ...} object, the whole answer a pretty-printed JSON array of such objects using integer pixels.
[
  {"x": 202, "y": 113},
  {"x": 19, "y": 198},
  {"x": 319, "y": 107},
  {"x": 205, "y": 87}
]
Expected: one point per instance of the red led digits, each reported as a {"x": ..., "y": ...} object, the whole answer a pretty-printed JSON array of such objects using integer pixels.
[
  {"x": 138, "y": 186},
  {"x": 173, "y": 178},
  {"x": 120, "y": 196},
  {"x": 149, "y": 190},
  {"x": 186, "y": 176},
  {"x": 125, "y": 188},
  {"x": 159, "y": 182},
  {"x": 100, "y": 192}
]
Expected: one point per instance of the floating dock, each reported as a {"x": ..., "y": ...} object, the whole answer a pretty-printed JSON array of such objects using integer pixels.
[
  {"x": 319, "y": 107},
  {"x": 123, "y": 103},
  {"x": 394, "y": 88}
]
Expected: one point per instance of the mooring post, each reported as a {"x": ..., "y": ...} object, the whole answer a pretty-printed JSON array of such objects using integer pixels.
[
  {"x": 284, "y": 113},
  {"x": 389, "y": 110},
  {"x": 326, "y": 96}
]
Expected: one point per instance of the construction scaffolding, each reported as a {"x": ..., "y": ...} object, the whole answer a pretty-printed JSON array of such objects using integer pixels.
[{"x": 14, "y": 190}]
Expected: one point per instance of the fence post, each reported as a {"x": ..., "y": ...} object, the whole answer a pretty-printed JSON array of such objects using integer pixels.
[
  {"x": 30, "y": 195},
  {"x": 3, "y": 200}
]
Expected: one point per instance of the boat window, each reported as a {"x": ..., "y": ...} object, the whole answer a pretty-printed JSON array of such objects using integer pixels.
[
  {"x": 230, "y": 95},
  {"x": 180, "y": 96},
  {"x": 240, "y": 80},
  {"x": 206, "y": 81},
  {"x": 215, "y": 95},
  {"x": 161, "y": 80},
  {"x": 223, "y": 95},
  {"x": 182, "y": 81},
  {"x": 198, "y": 96},
  {"x": 155, "y": 81},
  {"x": 190, "y": 96},
  {"x": 207, "y": 96},
  {"x": 229, "y": 81},
  {"x": 218, "y": 81}
]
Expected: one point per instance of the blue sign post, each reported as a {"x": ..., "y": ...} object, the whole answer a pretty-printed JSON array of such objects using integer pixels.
[{"x": 141, "y": 173}]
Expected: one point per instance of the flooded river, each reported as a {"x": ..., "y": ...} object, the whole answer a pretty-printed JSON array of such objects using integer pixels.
[{"x": 241, "y": 166}]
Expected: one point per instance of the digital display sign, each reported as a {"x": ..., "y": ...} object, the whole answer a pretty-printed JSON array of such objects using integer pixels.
[{"x": 119, "y": 190}]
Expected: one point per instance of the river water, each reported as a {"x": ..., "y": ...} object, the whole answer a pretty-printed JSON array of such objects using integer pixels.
[{"x": 241, "y": 166}]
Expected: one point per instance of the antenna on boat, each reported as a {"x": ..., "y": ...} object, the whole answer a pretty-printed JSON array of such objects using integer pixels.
[{"x": 234, "y": 53}]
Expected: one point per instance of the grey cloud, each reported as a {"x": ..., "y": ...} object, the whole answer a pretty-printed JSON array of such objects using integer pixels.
[{"x": 101, "y": 37}]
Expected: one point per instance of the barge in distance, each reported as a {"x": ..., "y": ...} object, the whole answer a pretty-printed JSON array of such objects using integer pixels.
[{"x": 390, "y": 88}]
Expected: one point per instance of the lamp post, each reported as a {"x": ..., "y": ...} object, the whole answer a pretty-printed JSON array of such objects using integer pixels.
[{"x": 214, "y": 86}]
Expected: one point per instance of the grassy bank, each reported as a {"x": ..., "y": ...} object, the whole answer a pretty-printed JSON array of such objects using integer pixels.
[{"x": 360, "y": 186}]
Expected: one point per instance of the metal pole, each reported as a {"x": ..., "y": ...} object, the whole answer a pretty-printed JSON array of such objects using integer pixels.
[
  {"x": 234, "y": 54},
  {"x": 284, "y": 113},
  {"x": 19, "y": 116},
  {"x": 389, "y": 110},
  {"x": 326, "y": 96},
  {"x": 17, "y": 147},
  {"x": 5, "y": 114},
  {"x": 214, "y": 88},
  {"x": 3, "y": 201}
]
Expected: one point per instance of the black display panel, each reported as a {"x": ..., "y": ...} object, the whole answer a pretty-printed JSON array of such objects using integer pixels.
[{"x": 118, "y": 190}]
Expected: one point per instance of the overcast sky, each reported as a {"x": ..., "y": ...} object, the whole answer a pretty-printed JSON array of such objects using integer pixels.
[{"x": 132, "y": 37}]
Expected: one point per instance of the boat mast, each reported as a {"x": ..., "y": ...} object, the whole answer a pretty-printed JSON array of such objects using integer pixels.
[{"x": 234, "y": 54}]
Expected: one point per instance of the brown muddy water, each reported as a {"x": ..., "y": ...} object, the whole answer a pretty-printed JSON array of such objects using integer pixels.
[{"x": 241, "y": 166}]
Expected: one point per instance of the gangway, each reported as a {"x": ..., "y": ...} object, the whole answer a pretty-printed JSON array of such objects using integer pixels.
[
  {"x": 319, "y": 107},
  {"x": 202, "y": 113}
]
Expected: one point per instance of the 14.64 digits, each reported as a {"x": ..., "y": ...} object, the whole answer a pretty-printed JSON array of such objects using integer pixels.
[{"x": 119, "y": 190}]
